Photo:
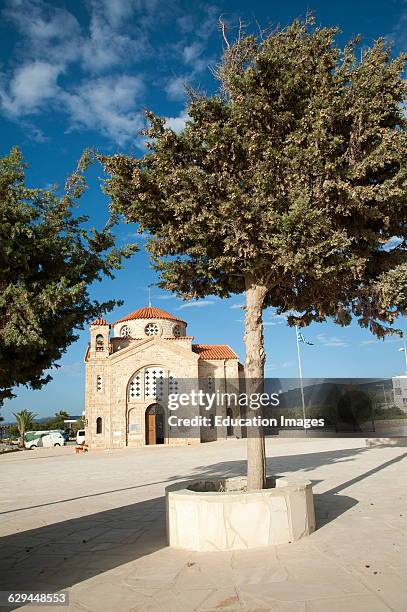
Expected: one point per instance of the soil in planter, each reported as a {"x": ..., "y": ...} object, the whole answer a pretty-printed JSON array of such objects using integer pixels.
[{"x": 227, "y": 485}]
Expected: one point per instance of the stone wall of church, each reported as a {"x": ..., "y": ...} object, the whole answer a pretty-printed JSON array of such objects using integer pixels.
[
  {"x": 218, "y": 375},
  {"x": 122, "y": 420},
  {"x": 107, "y": 381}
]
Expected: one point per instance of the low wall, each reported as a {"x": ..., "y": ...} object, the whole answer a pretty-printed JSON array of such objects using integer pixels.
[{"x": 216, "y": 514}]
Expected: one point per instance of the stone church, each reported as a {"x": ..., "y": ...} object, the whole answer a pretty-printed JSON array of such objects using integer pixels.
[{"x": 133, "y": 365}]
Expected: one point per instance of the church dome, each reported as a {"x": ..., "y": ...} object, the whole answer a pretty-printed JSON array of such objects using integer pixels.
[
  {"x": 149, "y": 321},
  {"x": 149, "y": 312}
]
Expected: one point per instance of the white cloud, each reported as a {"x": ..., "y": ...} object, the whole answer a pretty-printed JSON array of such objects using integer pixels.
[
  {"x": 118, "y": 12},
  {"x": 186, "y": 23},
  {"x": 388, "y": 340},
  {"x": 106, "y": 46},
  {"x": 331, "y": 341},
  {"x": 399, "y": 33},
  {"x": 236, "y": 306},
  {"x": 197, "y": 32},
  {"x": 31, "y": 85},
  {"x": 280, "y": 317},
  {"x": 51, "y": 41},
  {"x": 54, "y": 33},
  {"x": 114, "y": 34},
  {"x": 47, "y": 31},
  {"x": 278, "y": 366},
  {"x": 192, "y": 52},
  {"x": 175, "y": 88},
  {"x": 115, "y": 12},
  {"x": 194, "y": 304},
  {"x": 72, "y": 369},
  {"x": 177, "y": 123},
  {"x": 105, "y": 104}
]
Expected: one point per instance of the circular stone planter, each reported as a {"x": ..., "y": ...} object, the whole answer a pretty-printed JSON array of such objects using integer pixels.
[{"x": 220, "y": 514}]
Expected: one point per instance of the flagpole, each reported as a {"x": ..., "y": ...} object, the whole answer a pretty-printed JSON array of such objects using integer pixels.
[{"x": 300, "y": 370}]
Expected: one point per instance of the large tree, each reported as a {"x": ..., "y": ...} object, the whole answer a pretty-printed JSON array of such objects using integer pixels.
[
  {"x": 287, "y": 185},
  {"x": 49, "y": 258}
]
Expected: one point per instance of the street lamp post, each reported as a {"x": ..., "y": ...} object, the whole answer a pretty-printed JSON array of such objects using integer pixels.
[{"x": 403, "y": 349}]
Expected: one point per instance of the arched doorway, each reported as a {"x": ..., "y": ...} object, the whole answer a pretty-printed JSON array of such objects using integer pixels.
[{"x": 154, "y": 424}]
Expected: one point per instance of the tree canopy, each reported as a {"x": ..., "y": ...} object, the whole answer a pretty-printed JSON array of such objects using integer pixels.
[
  {"x": 289, "y": 184},
  {"x": 48, "y": 261},
  {"x": 294, "y": 173}
]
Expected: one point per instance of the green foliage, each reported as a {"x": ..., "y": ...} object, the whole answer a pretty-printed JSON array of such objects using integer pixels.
[
  {"x": 354, "y": 407},
  {"x": 390, "y": 412},
  {"x": 24, "y": 420},
  {"x": 57, "y": 422},
  {"x": 292, "y": 176},
  {"x": 49, "y": 260},
  {"x": 12, "y": 432},
  {"x": 79, "y": 424}
]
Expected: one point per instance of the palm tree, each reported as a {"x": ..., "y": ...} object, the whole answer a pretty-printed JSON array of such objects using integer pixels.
[{"x": 24, "y": 420}]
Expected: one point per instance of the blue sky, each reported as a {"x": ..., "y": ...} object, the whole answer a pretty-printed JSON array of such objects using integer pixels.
[{"x": 79, "y": 74}]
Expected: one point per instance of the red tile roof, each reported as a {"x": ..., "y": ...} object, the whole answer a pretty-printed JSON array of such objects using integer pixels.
[
  {"x": 214, "y": 351},
  {"x": 149, "y": 312},
  {"x": 100, "y": 322}
]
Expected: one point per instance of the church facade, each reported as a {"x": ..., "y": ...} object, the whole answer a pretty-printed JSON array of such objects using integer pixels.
[{"x": 134, "y": 364}]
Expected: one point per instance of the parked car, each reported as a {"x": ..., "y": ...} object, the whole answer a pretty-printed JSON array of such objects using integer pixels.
[
  {"x": 80, "y": 436},
  {"x": 46, "y": 439}
]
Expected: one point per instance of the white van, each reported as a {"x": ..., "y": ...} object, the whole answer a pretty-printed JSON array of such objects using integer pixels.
[
  {"x": 44, "y": 439},
  {"x": 80, "y": 436}
]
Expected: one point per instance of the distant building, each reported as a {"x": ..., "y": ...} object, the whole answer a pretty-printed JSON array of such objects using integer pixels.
[
  {"x": 400, "y": 391},
  {"x": 134, "y": 364},
  {"x": 71, "y": 420}
]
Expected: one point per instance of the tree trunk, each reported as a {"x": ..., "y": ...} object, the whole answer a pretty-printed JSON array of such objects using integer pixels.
[{"x": 254, "y": 377}]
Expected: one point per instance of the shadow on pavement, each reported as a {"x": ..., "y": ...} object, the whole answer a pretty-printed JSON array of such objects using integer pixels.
[
  {"x": 284, "y": 464},
  {"x": 57, "y": 556},
  {"x": 60, "y": 555}
]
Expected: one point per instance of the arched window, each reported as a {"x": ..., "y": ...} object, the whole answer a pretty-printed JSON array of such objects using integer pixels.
[
  {"x": 99, "y": 426},
  {"x": 176, "y": 330},
  {"x": 154, "y": 382},
  {"x": 125, "y": 331},
  {"x": 99, "y": 342}
]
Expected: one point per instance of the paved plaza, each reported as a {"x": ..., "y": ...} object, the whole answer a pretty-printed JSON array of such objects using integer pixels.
[{"x": 94, "y": 524}]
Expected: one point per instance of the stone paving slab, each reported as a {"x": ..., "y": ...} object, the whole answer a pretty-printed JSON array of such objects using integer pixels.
[{"x": 94, "y": 525}]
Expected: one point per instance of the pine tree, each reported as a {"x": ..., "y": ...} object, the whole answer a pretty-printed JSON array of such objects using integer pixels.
[
  {"x": 287, "y": 185},
  {"x": 48, "y": 261}
]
